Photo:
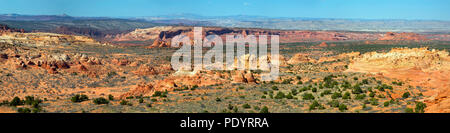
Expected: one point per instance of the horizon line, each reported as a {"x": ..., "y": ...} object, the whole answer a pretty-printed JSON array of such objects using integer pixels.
[{"x": 265, "y": 17}]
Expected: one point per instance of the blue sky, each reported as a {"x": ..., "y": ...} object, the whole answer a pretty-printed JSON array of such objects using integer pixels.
[{"x": 365, "y": 9}]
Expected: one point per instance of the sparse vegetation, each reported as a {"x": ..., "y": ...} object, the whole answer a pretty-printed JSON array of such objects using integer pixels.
[
  {"x": 79, "y": 98},
  {"x": 110, "y": 97},
  {"x": 420, "y": 107},
  {"x": 406, "y": 95},
  {"x": 308, "y": 96},
  {"x": 265, "y": 109},
  {"x": 246, "y": 106},
  {"x": 100, "y": 100}
]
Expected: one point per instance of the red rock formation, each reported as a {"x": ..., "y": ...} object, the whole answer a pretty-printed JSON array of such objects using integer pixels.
[
  {"x": 250, "y": 78},
  {"x": 323, "y": 44},
  {"x": 140, "y": 90},
  {"x": 21, "y": 65},
  {"x": 82, "y": 68},
  {"x": 403, "y": 36},
  {"x": 163, "y": 35},
  {"x": 6, "y": 29},
  {"x": 239, "y": 77},
  {"x": 243, "y": 77},
  {"x": 440, "y": 104},
  {"x": 300, "y": 58},
  {"x": 120, "y": 62},
  {"x": 145, "y": 70}
]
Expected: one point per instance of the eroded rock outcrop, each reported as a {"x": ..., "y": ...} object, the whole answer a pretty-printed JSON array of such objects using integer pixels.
[
  {"x": 244, "y": 77},
  {"x": 421, "y": 66},
  {"x": 403, "y": 36},
  {"x": 44, "y": 39},
  {"x": 440, "y": 103},
  {"x": 145, "y": 70},
  {"x": 141, "y": 90},
  {"x": 301, "y": 58}
]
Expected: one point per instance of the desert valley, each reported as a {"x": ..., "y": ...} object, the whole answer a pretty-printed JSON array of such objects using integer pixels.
[{"x": 74, "y": 69}]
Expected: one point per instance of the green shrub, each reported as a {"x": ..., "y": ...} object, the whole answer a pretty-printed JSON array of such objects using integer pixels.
[
  {"x": 360, "y": 96},
  {"x": 289, "y": 96},
  {"x": 28, "y": 100},
  {"x": 315, "y": 105},
  {"x": 265, "y": 109},
  {"x": 280, "y": 95},
  {"x": 256, "y": 108},
  {"x": 194, "y": 87},
  {"x": 420, "y": 107},
  {"x": 235, "y": 109},
  {"x": 304, "y": 89},
  {"x": 384, "y": 87},
  {"x": 308, "y": 96},
  {"x": 111, "y": 74},
  {"x": 409, "y": 110},
  {"x": 123, "y": 102},
  {"x": 365, "y": 81},
  {"x": 336, "y": 95},
  {"x": 346, "y": 95},
  {"x": 218, "y": 99},
  {"x": 23, "y": 110},
  {"x": 342, "y": 107},
  {"x": 369, "y": 89},
  {"x": 141, "y": 100},
  {"x": 397, "y": 83},
  {"x": 381, "y": 96},
  {"x": 4, "y": 102},
  {"x": 36, "y": 110},
  {"x": 372, "y": 94},
  {"x": 294, "y": 92},
  {"x": 357, "y": 89},
  {"x": 79, "y": 98},
  {"x": 386, "y": 103},
  {"x": 334, "y": 103},
  {"x": 286, "y": 81},
  {"x": 326, "y": 92},
  {"x": 314, "y": 89},
  {"x": 406, "y": 95},
  {"x": 246, "y": 106},
  {"x": 420, "y": 94},
  {"x": 15, "y": 102},
  {"x": 100, "y": 100},
  {"x": 110, "y": 97},
  {"x": 157, "y": 94},
  {"x": 374, "y": 101},
  {"x": 274, "y": 88}
]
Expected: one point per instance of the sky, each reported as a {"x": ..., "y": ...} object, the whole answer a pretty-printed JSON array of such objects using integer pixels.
[{"x": 360, "y": 9}]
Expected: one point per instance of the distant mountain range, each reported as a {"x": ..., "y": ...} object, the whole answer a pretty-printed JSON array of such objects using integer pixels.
[
  {"x": 106, "y": 25},
  {"x": 370, "y": 25},
  {"x": 92, "y": 26}
]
